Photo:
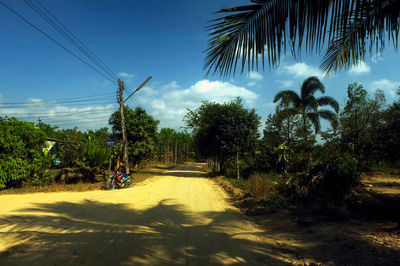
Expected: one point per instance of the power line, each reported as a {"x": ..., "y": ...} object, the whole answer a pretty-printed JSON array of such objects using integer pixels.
[
  {"x": 68, "y": 37},
  {"x": 40, "y": 102},
  {"x": 66, "y": 120},
  {"x": 59, "y": 44},
  {"x": 72, "y": 120},
  {"x": 62, "y": 115},
  {"x": 73, "y": 35},
  {"x": 48, "y": 105},
  {"x": 94, "y": 109},
  {"x": 74, "y": 124}
]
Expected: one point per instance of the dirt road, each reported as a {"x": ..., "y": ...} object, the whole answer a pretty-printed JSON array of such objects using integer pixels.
[{"x": 179, "y": 217}]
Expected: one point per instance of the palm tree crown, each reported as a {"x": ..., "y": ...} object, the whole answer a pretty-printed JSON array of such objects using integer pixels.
[
  {"x": 307, "y": 105},
  {"x": 270, "y": 26}
]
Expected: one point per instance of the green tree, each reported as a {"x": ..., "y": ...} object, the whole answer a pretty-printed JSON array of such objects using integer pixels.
[
  {"x": 356, "y": 121},
  {"x": 307, "y": 105},
  {"x": 281, "y": 128},
  {"x": 69, "y": 152},
  {"x": 21, "y": 154},
  {"x": 224, "y": 131},
  {"x": 346, "y": 28},
  {"x": 100, "y": 136},
  {"x": 49, "y": 130},
  {"x": 141, "y": 131},
  {"x": 166, "y": 143}
]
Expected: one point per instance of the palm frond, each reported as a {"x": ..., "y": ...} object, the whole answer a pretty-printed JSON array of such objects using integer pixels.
[
  {"x": 288, "y": 95},
  {"x": 330, "y": 116},
  {"x": 269, "y": 26},
  {"x": 314, "y": 118},
  {"x": 367, "y": 24},
  {"x": 328, "y": 101},
  {"x": 310, "y": 86}
]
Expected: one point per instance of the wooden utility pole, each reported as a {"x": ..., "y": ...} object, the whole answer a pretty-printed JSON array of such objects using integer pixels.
[{"x": 123, "y": 128}]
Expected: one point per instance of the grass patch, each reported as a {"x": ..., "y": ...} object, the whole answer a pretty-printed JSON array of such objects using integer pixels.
[
  {"x": 388, "y": 168},
  {"x": 243, "y": 184},
  {"x": 138, "y": 177}
]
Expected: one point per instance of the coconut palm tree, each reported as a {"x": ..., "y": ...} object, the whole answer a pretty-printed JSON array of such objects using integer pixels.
[
  {"x": 267, "y": 27},
  {"x": 307, "y": 105}
]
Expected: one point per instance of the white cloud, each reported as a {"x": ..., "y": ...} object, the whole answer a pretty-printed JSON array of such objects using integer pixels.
[
  {"x": 255, "y": 76},
  {"x": 389, "y": 87},
  {"x": 125, "y": 75},
  {"x": 251, "y": 83},
  {"x": 301, "y": 70},
  {"x": 360, "y": 68},
  {"x": 171, "y": 107},
  {"x": 376, "y": 58},
  {"x": 285, "y": 83},
  {"x": 171, "y": 85},
  {"x": 57, "y": 114}
]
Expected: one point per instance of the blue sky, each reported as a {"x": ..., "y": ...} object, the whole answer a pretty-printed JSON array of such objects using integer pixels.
[{"x": 136, "y": 39}]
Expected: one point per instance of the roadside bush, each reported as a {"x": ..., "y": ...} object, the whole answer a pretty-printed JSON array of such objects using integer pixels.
[
  {"x": 334, "y": 177},
  {"x": 261, "y": 186},
  {"x": 330, "y": 180},
  {"x": 21, "y": 155},
  {"x": 95, "y": 156}
]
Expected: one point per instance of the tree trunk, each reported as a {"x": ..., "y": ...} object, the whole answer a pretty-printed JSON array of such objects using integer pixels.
[
  {"x": 237, "y": 165},
  {"x": 176, "y": 151}
]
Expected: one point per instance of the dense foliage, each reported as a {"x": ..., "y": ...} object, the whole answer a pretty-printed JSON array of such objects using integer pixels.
[
  {"x": 315, "y": 164},
  {"x": 21, "y": 155},
  {"x": 174, "y": 146},
  {"x": 141, "y": 133},
  {"x": 224, "y": 132}
]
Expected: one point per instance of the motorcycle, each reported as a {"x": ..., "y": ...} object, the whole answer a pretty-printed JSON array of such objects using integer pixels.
[{"x": 113, "y": 182}]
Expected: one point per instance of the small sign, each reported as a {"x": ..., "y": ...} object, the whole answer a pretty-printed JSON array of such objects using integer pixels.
[{"x": 110, "y": 143}]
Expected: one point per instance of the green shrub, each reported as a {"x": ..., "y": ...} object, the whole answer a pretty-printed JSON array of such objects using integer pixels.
[
  {"x": 261, "y": 186},
  {"x": 331, "y": 179},
  {"x": 96, "y": 156},
  {"x": 334, "y": 177},
  {"x": 21, "y": 155}
]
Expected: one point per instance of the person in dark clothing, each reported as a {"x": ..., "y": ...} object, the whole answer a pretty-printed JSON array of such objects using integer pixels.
[{"x": 121, "y": 172}]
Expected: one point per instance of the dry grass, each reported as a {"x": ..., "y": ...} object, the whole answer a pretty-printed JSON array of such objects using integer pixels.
[
  {"x": 382, "y": 183},
  {"x": 138, "y": 177}
]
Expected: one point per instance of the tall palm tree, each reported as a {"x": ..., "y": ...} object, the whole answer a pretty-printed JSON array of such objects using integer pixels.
[
  {"x": 307, "y": 105},
  {"x": 345, "y": 27}
]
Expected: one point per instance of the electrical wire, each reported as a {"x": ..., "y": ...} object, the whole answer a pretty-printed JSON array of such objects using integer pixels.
[
  {"x": 73, "y": 98},
  {"x": 55, "y": 101},
  {"x": 66, "y": 115},
  {"x": 50, "y": 104},
  {"x": 69, "y": 38},
  {"x": 55, "y": 112},
  {"x": 74, "y": 124},
  {"x": 76, "y": 38},
  {"x": 58, "y": 43}
]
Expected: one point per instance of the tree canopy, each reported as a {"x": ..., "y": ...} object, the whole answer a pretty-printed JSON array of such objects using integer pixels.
[
  {"x": 141, "y": 131},
  {"x": 223, "y": 131}
]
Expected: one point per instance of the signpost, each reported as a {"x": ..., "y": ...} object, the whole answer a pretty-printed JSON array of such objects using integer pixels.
[{"x": 110, "y": 143}]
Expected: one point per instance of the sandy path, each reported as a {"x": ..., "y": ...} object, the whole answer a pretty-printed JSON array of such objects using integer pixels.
[{"x": 177, "y": 218}]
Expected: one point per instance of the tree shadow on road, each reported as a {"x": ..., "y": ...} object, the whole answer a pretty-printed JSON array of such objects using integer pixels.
[{"x": 94, "y": 233}]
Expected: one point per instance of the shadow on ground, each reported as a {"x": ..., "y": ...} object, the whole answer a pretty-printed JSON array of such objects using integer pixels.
[{"x": 94, "y": 233}]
